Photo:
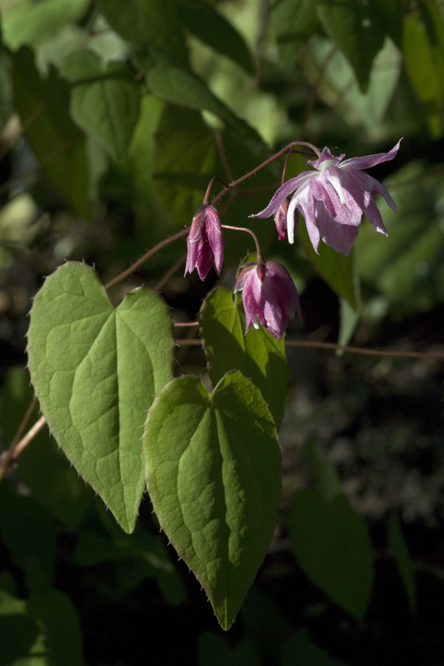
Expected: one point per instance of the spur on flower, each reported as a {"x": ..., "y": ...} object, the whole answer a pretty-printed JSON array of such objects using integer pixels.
[
  {"x": 333, "y": 199},
  {"x": 205, "y": 242},
  {"x": 269, "y": 296}
]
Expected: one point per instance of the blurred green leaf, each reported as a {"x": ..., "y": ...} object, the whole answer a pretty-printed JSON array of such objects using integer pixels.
[
  {"x": 324, "y": 472},
  {"x": 185, "y": 161},
  {"x": 144, "y": 555},
  {"x": 213, "y": 471},
  {"x": 213, "y": 650},
  {"x": 332, "y": 546},
  {"x": 423, "y": 50},
  {"x": 17, "y": 636},
  {"x": 403, "y": 560},
  {"x": 28, "y": 532},
  {"x": 300, "y": 650},
  {"x": 407, "y": 266},
  {"x": 154, "y": 24},
  {"x": 96, "y": 371},
  {"x": 44, "y": 468},
  {"x": 205, "y": 22},
  {"x": 43, "y": 106},
  {"x": 293, "y": 21},
  {"x": 258, "y": 355},
  {"x": 358, "y": 30},
  {"x": 107, "y": 106},
  {"x": 33, "y": 22},
  {"x": 61, "y": 623}
]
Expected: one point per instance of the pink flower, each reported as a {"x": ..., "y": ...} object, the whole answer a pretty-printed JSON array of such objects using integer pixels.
[
  {"x": 268, "y": 295},
  {"x": 333, "y": 199},
  {"x": 205, "y": 242}
]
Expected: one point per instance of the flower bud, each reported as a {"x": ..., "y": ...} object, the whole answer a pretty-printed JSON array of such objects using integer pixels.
[
  {"x": 269, "y": 296},
  {"x": 205, "y": 242}
]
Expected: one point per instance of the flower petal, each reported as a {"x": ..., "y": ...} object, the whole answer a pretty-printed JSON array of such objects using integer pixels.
[
  {"x": 283, "y": 192},
  {"x": 368, "y": 161}
]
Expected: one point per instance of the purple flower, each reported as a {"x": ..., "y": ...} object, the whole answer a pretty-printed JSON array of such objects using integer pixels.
[
  {"x": 333, "y": 199},
  {"x": 205, "y": 242},
  {"x": 268, "y": 295}
]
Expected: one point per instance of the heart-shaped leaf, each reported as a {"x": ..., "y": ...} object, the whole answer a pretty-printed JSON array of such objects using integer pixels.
[
  {"x": 96, "y": 371},
  {"x": 213, "y": 470}
]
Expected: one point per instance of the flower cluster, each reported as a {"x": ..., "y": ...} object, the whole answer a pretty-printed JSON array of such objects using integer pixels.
[{"x": 332, "y": 199}]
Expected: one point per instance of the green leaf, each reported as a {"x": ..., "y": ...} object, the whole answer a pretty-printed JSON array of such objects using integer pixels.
[
  {"x": 293, "y": 21},
  {"x": 213, "y": 473},
  {"x": 43, "y": 106},
  {"x": 212, "y": 28},
  {"x": 17, "y": 636},
  {"x": 332, "y": 546},
  {"x": 178, "y": 85},
  {"x": 258, "y": 355},
  {"x": 403, "y": 560},
  {"x": 185, "y": 161},
  {"x": 107, "y": 106},
  {"x": 213, "y": 650},
  {"x": 423, "y": 50},
  {"x": 358, "y": 30},
  {"x": 96, "y": 371},
  {"x": 323, "y": 471},
  {"x": 34, "y": 22},
  {"x": 301, "y": 650},
  {"x": 61, "y": 623},
  {"x": 154, "y": 24},
  {"x": 42, "y": 465},
  {"x": 28, "y": 532}
]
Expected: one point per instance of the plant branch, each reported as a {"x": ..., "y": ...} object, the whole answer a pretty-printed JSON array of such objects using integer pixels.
[{"x": 145, "y": 257}]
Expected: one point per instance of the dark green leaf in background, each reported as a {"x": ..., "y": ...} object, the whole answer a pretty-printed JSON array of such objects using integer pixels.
[
  {"x": 96, "y": 371},
  {"x": 301, "y": 650},
  {"x": 359, "y": 31},
  {"x": 423, "y": 50},
  {"x": 17, "y": 636},
  {"x": 104, "y": 100},
  {"x": 332, "y": 546},
  {"x": 213, "y": 650},
  {"x": 33, "y": 546},
  {"x": 58, "y": 615},
  {"x": 42, "y": 465},
  {"x": 185, "y": 161},
  {"x": 403, "y": 560},
  {"x": 294, "y": 21},
  {"x": 33, "y": 22},
  {"x": 212, "y": 28},
  {"x": 154, "y": 24},
  {"x": 213, "y": 469},
  {"x": 258, "y": 355},
  {"x": 58, "y": 144}
]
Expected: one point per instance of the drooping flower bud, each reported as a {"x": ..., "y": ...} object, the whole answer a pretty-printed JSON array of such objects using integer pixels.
[
  {"x": 269, "y": 296},
  {"x": 205, "y": 242}
]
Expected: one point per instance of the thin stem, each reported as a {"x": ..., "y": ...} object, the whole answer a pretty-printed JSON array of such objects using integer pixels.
[
  {"x": 208, "y": 192},
  {"x": 260, "y": 259},
  {"x": 145, "y": 257},
  {"x": 334, "y": 346},
  {"x": 284, "y": 171},
  {"x": 271, "y": 159},
  {"x": 9, "y": 456}
]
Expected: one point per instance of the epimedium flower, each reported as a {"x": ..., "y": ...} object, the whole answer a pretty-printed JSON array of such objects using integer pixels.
[
  {"x": 205, "y": 242},
  {"x": 269, "y": 296},
  {"x": 333, "y": 199}
]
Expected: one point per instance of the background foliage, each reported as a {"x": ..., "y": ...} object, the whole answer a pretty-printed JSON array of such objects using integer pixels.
[{"x": 113, "y": 118}]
